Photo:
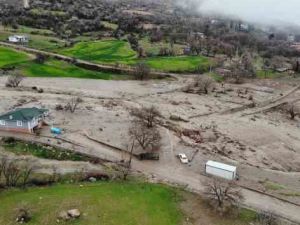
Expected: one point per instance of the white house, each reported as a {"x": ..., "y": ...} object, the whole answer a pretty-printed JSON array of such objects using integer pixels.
[{"x": 18, "y": 39}]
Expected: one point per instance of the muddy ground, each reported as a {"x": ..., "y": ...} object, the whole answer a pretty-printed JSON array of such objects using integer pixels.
[{"x": 264, "y": 145}]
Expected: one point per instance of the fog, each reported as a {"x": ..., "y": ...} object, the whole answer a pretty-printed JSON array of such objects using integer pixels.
[{"x": 268, "y": 12}]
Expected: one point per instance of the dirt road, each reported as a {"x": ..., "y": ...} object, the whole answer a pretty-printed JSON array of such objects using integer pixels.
[{"x": 178, "y": 174}]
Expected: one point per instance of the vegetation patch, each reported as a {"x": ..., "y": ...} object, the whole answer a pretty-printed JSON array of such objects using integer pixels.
[
  {"x": 108, "y": 25},
  {"x": 50, "y": 68},
  {"x": 41, "y": 151},
  {"x": 268, "y": 74},
  {"x": 216, "y": 77},
  {"x": 247, "y": 215},
  {"x": 154, "y": 48},
  {"x": 273, "y": 186},
  {"x": 179, "y": 63},
  {"x": 112, "y": 203},
  {"x": 108, "y": 51},
  {"x": 120, "y": 52},
  {"x": 291, "y": 194},
  {"x": 38, "y": 40},
  {"x": 56, "y": 68},
  {"x": 10, "y": 57}
]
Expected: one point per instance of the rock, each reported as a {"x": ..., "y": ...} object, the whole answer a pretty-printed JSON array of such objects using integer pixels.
[
  {"x": 92, "y": 179},
  {"x": 178, "y": 118},
  {"x": 63, "y": 215},
  {"x": 74, "y": 213}
]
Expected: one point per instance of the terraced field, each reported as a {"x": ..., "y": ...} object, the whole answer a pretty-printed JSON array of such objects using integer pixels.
[
  {"x": 108, "y": 51},
  {"x": 115, "y": 51},
  {"x": 50, "y": 68},
  {"x": 10, "y": 57}
]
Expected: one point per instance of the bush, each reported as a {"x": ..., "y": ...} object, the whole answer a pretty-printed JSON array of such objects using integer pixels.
[
  {"x": 23, "y": 215},
  {"x": 14, "y": 81}
]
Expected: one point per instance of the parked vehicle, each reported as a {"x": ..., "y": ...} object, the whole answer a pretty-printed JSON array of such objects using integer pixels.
[
  {"x": 148, "y": 156},
  {"x": 221, "y": 170},
  {"x": 56, "y": 130},
  {"x": 183, "y": 158}
]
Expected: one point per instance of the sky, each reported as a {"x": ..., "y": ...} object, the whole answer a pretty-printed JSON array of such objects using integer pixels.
[{"x": 268, "y": 12}]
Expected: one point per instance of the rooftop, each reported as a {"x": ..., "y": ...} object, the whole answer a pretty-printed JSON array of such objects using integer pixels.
[{"x": 23, "y": 114}]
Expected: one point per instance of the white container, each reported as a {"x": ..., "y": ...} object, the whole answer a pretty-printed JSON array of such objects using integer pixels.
[{"x": 220, "y": 170}]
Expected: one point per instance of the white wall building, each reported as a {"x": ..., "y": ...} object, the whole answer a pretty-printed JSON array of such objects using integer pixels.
[{"x": 18, "y": 39}]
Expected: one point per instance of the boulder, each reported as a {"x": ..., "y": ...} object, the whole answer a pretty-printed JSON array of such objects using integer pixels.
[
  {"x": 179, "y": 118},
  {"x": 92, "y": 179},
  {"x": 63, "y": 215},
  {"x": 74, "y": 213}
]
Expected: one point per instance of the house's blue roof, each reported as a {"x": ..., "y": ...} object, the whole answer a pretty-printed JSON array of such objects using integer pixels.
[{"x": 23, "y": 114}]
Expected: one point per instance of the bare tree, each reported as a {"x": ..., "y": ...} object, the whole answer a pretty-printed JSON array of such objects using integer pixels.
[
  {"x": 141, "y": 71},
  {"x": 147, "y": 138},
  {"x": 11, "y": 173},
  {"x": 203, "y": 84},
  {"x": 293, "y": 111},
  {"x": 27, "y": 170},
  {"x": 147, "y": 115},
  {"x": 126, "y": 166},
  {"x": 3, "y": 165},
  {"x": 14, "y": 81},
  {"x": 15, "y": 172},
  {"x": 223, "y": 195},
  {"x": 72, "y": 104}
]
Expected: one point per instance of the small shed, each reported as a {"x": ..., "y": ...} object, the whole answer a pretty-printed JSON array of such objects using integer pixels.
[{"x": 221, "y": 170}]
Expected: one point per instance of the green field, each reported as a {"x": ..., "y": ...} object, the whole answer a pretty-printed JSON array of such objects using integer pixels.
[
  {"x": 108, "y": 51},
  {"x": 40, "y": 42},
  {"x": 153, "y": 48},
  {"x": 56, "y": 68},
  {"x": 39, "y": 38},
  {"x": 179, "y": 63},
  {"x": 51, "y": 68},
  {"x": 10, "y": 57},
  {"x": 109, "y": 203},
  {"x": 115, "y": 51}
]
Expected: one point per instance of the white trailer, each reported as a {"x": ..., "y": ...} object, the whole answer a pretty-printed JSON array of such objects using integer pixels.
[{"x": 221, "y": 170}]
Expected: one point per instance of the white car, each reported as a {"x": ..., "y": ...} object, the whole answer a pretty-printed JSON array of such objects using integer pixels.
[{"x": 183, "y": 158}]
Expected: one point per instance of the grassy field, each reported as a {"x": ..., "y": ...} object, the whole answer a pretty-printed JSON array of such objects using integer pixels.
[
  {"x": 38, "y": 41},
  {"x": 51, "y": 68},
  {"x": 153, "y": 48},
  {"x": 108, "y": 51},
  {"x": 39, "y": 38},
  {"x": 115, "y": 51},
  {"x": 178, "y": 63},
  {"x": 56, "y": 68},
  {"x": 10, "y": 57},
  {"x": 101, "y": 203},
  {"x": 27, "y": 30}
]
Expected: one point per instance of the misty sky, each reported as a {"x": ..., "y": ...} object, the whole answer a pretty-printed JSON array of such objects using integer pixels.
[{"x": 261, "y": 11}]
